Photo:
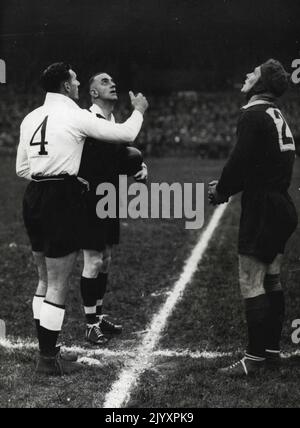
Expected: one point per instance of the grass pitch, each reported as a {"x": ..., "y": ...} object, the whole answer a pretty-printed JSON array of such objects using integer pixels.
[{"x": 145, "y": 267}]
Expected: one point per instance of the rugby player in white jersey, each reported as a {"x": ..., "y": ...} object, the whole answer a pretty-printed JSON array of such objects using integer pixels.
[{"x": 49, "y": 154}]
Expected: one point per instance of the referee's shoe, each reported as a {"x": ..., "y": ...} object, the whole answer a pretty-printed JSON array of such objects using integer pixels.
[{"x": 108, "y": 328}]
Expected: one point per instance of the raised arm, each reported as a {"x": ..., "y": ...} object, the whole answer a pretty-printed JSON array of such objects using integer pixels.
[{"x": 126, "y": 132}]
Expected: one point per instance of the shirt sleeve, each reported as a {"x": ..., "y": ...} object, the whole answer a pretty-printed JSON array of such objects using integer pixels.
[
  {"x": 235, "y": 172},
  {"x": 101, "y": 129},
  {"x": 22, "y": 164}
]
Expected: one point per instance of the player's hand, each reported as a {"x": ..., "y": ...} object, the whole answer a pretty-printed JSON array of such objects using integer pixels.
[
  {"x": 139, "y": 102},
  {"x": 142, "y": 175},
  {"x": 214, "y": 197}
]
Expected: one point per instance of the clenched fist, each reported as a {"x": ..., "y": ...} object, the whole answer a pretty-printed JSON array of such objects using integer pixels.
[{"x": 139, "y": 102}]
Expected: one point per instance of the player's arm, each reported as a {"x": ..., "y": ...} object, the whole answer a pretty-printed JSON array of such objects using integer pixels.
[
  {"x": 101, "y": 129},
  {"x": 235, "y": 172},
  {"x": 22, "y": 164}
]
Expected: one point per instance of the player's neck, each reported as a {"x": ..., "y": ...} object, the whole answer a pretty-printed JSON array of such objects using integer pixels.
[
  {"x": 106, "y": 106},
  {"x": 266, "y": 96}
]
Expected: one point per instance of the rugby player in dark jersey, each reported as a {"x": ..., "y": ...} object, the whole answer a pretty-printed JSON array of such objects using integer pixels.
[
  {"x": 261, "y": 167},
  {"x": 101, "y": 165}
]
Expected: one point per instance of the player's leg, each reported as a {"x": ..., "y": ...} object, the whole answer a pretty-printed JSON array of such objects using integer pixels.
[
  {"x": 53, "y": 308},
  {"x": 40, "y": 294},
  {"x": 89, "y": 285},
  {"x": 107, "y": 327},
  {"x": 251, "y": 275},
  {"x": 276, "y": 299},
  {"x": 103, "y": 279},
  {"x": 52, "y": 316}
]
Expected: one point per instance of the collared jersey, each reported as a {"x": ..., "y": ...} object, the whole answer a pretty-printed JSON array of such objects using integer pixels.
[
  {"x": 52, "y": 136},
  {"x": 100, "y": 163}
]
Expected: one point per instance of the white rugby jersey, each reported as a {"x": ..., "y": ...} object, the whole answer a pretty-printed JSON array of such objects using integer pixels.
[{"x": 52, "y": 136}]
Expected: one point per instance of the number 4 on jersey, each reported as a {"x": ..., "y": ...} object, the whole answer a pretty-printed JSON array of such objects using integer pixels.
[{"x": 43, "y": 142}]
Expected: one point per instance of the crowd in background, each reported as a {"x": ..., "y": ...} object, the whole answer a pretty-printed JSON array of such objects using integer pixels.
[{"x": 201, "y": 124}]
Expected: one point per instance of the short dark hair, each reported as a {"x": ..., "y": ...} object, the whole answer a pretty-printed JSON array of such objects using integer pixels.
[
  {"x": 54, "y": 76},
  {"x": 92, "y": 79}
]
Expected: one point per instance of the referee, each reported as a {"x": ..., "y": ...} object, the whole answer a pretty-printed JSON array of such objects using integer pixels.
[
  {"x": 49, "y": 154},
  {"x": 101, "y": 164}
]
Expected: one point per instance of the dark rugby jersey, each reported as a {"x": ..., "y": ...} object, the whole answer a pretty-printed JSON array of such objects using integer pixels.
[
  {"x": 100, "y": 162},
  {"x": 261, "y": 166},
  {"x": 264, "y": 154}
]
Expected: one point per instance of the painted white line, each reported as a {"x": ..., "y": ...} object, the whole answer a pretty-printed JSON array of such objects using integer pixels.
[
  {"x": 92, "y": 362},
  {"x": 206, "y": 355},
  {"x": 119, "y": 394},
  {"x": 84, "y": 352},
  {"x": 89, "y": 356},
  {"x": 2, "y": 329}
]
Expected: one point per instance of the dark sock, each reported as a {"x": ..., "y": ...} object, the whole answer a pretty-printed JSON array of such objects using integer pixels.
[
  {"x": 257, "y": 310},
  {"x": 89, "y": 287},
  {"x": 47, "y": 342},
  {"x": 37, "y": 326},
  {"x": 275, "y": 320},
  {"x": 101, "y": 290},
  {"x": 48, "y": 338}
]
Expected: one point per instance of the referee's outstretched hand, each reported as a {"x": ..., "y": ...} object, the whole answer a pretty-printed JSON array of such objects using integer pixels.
[{"x": 139, "y": 102}]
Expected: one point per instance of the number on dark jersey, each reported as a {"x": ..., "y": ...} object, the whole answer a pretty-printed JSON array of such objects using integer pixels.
[{"x": 286, "y": 140}]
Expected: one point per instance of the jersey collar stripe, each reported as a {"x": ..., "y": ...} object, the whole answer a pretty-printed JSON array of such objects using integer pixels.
[{"x": 256, "y": 103}]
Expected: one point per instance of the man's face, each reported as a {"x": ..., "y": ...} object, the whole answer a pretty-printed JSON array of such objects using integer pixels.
[
  {"x": 104, "y": 88},
  {"x": 72, "y": 86},
  {"x": 251, "y": 80}
]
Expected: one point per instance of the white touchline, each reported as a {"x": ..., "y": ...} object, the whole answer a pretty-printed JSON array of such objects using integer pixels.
[
  {"x": 88, "y": 356},
  {"x": 119, "y": 394}
]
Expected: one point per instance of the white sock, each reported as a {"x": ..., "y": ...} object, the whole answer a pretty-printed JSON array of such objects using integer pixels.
[
  {"x": 37, "y": 306},
  {"x": 52, "y": 317}
]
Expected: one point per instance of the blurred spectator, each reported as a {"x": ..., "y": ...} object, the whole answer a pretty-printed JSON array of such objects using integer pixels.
[{"x": 184, "y": 123}]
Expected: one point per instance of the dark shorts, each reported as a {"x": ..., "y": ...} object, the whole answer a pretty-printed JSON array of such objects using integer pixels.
[
  {"x": 102, "y": 163},
  {"x": 268, "y": 220},
  {"x": 53, "y": 212},
  {"x": 98, "y": 233}
]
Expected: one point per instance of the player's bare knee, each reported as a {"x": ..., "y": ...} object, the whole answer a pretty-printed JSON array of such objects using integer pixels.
[
  {"x": 251, "y": 284},
  {"x": 249, "y": 291},
  {"x": 92, "y": 266},
  {"x": 57, "y": 293},
  {"x": 251, "y": 277},
  {"x": 42, "y": 288}
]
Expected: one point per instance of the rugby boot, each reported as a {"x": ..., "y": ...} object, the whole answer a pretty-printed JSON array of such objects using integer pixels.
[
  {"x": 108, "y": 328},
  {"x": 95, "y": 336},
  {"x": 56, "y": 366},
  {"x": 273, "y": 360},
  {"x": 243, "y": 368}
]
